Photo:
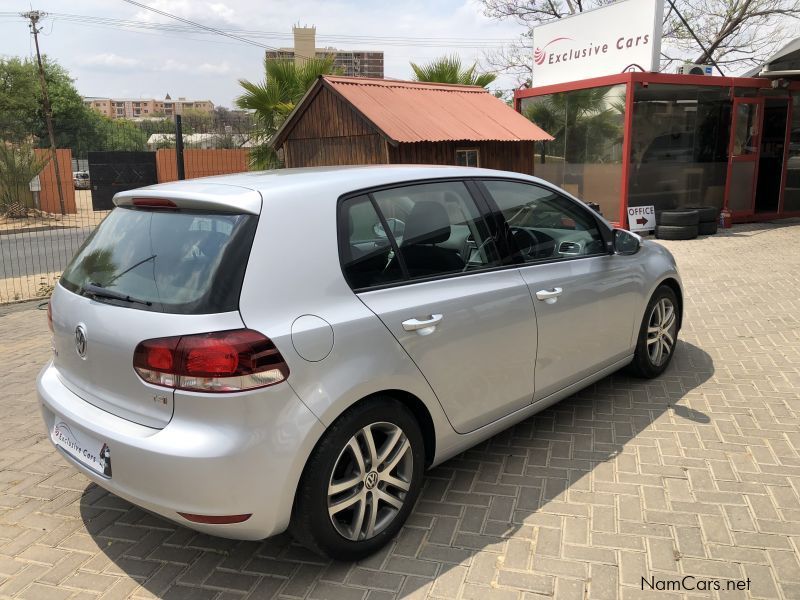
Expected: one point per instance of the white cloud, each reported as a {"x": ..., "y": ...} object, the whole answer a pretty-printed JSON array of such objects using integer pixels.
[
  {"x": 171, "y": 65},
  {"x": 222, "y": 10},
  {"x": 215, "y": 69},
  {"x": 112, "y": 61},
  {"x": 204, "y": 12}
]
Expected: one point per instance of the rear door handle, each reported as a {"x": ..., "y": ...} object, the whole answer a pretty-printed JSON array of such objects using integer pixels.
[
  {"x": 549, "y": 296},
  {"x": 423, "y": 326}
]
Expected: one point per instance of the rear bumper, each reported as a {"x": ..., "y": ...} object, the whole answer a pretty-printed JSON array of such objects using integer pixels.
[{"x": 219, "y": 455}]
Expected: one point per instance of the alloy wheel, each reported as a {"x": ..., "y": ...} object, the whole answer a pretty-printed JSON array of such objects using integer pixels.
[
  {"x": 661, "y": 331},
  {"x": 370, "y": 481}
]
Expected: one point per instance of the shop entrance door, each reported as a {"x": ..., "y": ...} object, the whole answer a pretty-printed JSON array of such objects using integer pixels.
[
  {"x": 743, "y": 155},
  {"x": 774, "y": 132}
]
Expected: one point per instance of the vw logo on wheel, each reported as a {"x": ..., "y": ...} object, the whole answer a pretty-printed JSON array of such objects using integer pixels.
[
  {"x": 371, "y": 480},
  {"x": 80, "y": 341}
]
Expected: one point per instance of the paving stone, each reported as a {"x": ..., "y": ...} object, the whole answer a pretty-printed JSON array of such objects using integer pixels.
[{"x": 697, "y": 472}]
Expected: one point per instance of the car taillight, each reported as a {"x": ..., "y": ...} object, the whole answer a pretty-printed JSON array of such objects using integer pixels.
[
  {"x": 154, "y": 203},
  {"x": 222, "y": 361},
  {"x": 50, "y": 316}
]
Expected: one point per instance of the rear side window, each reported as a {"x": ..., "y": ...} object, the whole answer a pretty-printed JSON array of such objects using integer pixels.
[
  {"x": 184, "y": 262},
  {"x": 366, "y": 252},
  {"x": 418, "y": 231}
]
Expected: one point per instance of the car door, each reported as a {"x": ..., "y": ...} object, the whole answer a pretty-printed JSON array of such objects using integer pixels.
[
  {"x": 422, "y": 259},
  {"x": 586, "y": 299}
]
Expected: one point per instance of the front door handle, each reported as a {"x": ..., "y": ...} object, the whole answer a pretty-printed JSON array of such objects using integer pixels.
[
  {"x": 549, "y": 296},
  {"x": 423, "y": 326}
]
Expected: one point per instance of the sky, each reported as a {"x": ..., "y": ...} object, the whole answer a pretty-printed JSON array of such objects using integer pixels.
[{"x": 110, "y": 60}]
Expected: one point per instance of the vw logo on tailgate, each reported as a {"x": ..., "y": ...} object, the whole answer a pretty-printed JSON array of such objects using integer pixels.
[{"x": 80, "y": 340}]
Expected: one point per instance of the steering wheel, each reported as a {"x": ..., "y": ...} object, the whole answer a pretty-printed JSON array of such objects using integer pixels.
[
  {"x": 478, "y": 251},
  {"x": 526, "y": 241}
]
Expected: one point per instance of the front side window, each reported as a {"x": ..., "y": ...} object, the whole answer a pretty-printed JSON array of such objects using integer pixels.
[
  {"x": 422, "y": 230},
  {"x": 544, "y": 225}
]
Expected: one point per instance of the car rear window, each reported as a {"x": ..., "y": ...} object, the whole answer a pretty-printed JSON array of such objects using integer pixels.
[{"x": 185, "y": 262}]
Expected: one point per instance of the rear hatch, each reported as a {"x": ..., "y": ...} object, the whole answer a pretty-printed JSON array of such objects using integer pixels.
[{"x": 147, "y": 271}]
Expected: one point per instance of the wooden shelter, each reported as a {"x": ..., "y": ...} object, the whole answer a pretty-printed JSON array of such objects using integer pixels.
[{"x": 361, "y": 121}]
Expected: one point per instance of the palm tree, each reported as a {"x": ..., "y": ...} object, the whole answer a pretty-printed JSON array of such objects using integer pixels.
[
  {"x": 583, "y": 123},
  {"x": 285, "y": 83},
  {"x": 448, "y": 69}
]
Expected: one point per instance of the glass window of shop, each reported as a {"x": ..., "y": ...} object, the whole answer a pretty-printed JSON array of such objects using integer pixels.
[
  {"x": 791, "y": 197},
  {"x": 586, "y": 156},
  {"x": 679, "y": 146}
]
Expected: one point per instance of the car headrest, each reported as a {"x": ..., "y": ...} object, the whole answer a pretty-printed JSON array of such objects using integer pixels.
[{"x": 427, "y": 223}]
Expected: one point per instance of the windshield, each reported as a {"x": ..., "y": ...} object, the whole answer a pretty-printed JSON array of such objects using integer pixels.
[{"x": 184, "y": 262}]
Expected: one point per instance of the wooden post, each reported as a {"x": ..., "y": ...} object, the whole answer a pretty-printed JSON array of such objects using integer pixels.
[{"x": 179, "y": 148}]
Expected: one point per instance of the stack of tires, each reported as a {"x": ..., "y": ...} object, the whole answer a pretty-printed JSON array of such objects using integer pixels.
[
  {"x": 708, "y": 219},
  {"x": 687, "y": 222}
]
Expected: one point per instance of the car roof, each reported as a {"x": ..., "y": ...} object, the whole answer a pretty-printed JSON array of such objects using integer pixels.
[{"x": 243, "y": 191}]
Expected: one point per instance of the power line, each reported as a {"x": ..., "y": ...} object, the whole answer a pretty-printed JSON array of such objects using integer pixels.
[
  {"x": 430, "y": 41},
  {"x": 207, "y": 28}
]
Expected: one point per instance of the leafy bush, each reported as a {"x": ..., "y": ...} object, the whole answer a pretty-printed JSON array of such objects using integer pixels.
[{"x": 18, "y": 166}]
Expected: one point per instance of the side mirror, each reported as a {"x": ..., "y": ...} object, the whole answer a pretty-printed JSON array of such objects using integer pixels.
[{"x": 626, "y": 243}]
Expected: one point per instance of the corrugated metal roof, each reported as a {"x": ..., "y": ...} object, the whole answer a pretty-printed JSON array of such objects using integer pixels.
[{"x": 408, "y": 111}]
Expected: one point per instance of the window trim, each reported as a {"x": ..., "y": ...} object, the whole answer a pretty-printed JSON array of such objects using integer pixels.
[
  {"x": 477, "y": 152},
  {"x": 389, "y": 236}
]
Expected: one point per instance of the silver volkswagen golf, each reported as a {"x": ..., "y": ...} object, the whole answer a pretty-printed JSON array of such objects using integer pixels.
[{"x": 293, "y": 349}]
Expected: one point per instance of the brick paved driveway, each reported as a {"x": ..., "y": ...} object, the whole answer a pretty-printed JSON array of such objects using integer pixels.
[{"x": 696, "y": 473}]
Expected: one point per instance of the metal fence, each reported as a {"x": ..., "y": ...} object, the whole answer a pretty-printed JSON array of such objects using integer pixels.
[{"x": 41, "y": 229}]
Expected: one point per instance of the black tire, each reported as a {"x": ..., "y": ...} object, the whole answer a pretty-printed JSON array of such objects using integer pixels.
[
  {"x": 311, "y": 524},
  {"x": 709, "y": 228},
  {"x": 673, "y": 232},
  {"x": 678, "y": 217},
  {"x": 706, "y": 214},
  {"x": 643, "y": 364}
]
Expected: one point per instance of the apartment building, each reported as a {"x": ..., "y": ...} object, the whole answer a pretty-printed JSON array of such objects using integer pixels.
[
  {"x": 352, "y": 63},
  {"x": 133, "y": 108}
]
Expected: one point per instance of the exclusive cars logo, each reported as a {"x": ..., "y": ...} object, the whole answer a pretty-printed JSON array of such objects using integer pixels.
[
  {"x": 584, "y": 50},
  {"x": 539, "y": 55}
]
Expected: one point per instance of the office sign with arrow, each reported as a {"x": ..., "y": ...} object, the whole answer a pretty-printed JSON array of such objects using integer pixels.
[{"x": 641, "y": 218}]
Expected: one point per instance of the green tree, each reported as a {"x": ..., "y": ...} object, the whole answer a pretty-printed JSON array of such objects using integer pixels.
[
  {"x": 119, "y": 134},
  {"x": 284, "y": 85},
  {"x": 76, "y": 126},
  {"x": 448, "y": 69},
  {"x": 21, "y": 108}
]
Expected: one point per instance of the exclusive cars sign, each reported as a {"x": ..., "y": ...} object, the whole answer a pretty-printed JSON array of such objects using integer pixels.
[{"x": 616, "y": 38}]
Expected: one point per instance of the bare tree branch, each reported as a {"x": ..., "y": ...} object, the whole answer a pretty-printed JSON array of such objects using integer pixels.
[{"x": 736, "y": 33}]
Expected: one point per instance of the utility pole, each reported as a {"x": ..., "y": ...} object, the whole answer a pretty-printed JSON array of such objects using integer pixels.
[
  {"x": 179, "y": 148},
  {"x": 34, "y": 16}
]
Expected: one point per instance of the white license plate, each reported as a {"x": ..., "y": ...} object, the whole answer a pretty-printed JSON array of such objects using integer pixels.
[{"x": 82, "y": 447}]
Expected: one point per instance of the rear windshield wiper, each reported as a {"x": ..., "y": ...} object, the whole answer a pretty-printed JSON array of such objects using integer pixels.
[
  {"x": 129, "y": 269},
  {"x": 98, "y": 291}
]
